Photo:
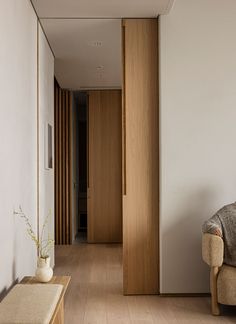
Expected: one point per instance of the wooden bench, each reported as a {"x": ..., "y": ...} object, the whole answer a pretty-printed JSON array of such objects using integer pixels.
[{"x": 34, "y": 302}]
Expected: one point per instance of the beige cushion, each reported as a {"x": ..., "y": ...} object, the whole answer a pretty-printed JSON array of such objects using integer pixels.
[
  {"x": 28, "y": 304},
  {"x": 226, "y": 285},
  {"x": 212, "y": 250}
]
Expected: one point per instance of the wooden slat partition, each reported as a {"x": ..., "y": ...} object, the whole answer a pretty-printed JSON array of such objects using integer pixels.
[
  {"x": 140, "y": 155},
  {"x": 63, "y": 111}
]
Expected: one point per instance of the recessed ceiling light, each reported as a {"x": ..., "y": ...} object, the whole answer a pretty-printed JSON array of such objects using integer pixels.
[
  {"x": 100, "y": 67},
  {"x": 95, "y": 43}
]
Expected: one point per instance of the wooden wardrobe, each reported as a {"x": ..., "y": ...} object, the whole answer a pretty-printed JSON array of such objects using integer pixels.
[{"x": 140, "y": 157}]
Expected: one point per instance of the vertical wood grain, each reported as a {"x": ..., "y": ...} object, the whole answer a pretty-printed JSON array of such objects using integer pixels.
[
  {"x": 141, "y": 202},
  {"x": 88, "y": 179},
  {"x": 63, "y": 218},
  {"x": 60, "y": 168},
  {"x": 105, "y": 167},
  {"x": 63, "y": 168},
  {"x": 56, "y": 91},
  {"x": 66, "y": 168},
  {"x": 70, "y": 166},
  {"x": 123, "y": 116}
]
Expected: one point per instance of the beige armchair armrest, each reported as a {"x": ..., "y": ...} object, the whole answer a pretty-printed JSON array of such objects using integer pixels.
[
  {"x": 213, "y": 254},
  {"x": 212, "y": 250}
]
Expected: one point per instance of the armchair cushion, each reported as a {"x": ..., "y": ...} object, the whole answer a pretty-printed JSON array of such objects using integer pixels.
[{"x": 226, "y": 285}]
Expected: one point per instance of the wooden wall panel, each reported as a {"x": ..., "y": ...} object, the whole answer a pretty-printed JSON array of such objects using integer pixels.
[
  {"x": 104, "y": 168},
  {"x": 140, "y": 157},
  {"x": 56, "y": 137},
  {"x": 63, "y": 111}
]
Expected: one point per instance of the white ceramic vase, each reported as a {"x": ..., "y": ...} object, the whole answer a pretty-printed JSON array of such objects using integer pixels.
[{"x": 44, "y": 272}]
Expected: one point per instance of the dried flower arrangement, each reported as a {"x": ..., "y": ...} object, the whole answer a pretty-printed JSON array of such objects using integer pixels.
[{"x": 43, "y": 245}]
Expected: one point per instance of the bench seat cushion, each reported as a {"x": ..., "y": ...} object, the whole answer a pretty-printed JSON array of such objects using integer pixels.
[{"x": 30, "y": 303}]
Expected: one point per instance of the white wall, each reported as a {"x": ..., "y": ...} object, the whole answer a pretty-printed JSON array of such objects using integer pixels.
[
  {"x": 18, "y": 134},
  {"x": 18, "y": 99},
  {"x": 46, "y": 115},
  {"x": 198, "y": 133}
]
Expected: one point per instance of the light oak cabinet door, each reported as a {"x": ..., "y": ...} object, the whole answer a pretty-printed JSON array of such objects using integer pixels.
[
  {"x": 140, "y": 157},
  {"x": 104, "y": 167}
]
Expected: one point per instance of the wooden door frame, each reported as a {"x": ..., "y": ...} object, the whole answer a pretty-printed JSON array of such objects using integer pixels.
[{"x": 124, "y": 154}]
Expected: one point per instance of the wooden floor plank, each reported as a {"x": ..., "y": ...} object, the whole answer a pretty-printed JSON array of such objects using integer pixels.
[{"x": 95, "y": 294}]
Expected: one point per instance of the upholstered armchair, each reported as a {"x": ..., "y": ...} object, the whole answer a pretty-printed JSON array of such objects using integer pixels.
[{"x": 222, "y": 276}]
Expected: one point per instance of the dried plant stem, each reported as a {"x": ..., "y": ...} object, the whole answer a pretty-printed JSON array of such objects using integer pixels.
[{"x": 42, "y": 245}]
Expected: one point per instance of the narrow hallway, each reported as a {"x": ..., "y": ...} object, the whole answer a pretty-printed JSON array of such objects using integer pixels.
[{"x": 95, "y": 293}]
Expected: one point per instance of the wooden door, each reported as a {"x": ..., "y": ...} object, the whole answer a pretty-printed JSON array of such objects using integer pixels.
[
  {"x": 140, "y": 157},
  {"x": 104, "y": 167}
]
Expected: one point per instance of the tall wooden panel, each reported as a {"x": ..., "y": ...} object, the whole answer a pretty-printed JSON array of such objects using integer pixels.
[
  {"x": 104, "y": 167},
  {"x": 140, "y": 157},
  {"x": 63, "y": 107}
]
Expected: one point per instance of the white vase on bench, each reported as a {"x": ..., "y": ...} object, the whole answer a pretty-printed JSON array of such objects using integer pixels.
[{"x": 44, "y": 272}]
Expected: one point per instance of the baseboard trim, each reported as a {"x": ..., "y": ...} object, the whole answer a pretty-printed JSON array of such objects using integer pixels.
[{"x": 187, "y": 295}]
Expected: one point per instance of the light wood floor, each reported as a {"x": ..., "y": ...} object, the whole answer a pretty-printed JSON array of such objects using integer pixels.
[{"x": 95, "y": 293}]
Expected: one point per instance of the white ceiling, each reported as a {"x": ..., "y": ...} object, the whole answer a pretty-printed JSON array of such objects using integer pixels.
[
  {"x": 79, "y": 63},
  {"x": 101, "y": 8}
]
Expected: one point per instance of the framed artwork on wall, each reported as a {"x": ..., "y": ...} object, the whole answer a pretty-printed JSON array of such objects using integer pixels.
[{"x": 48, "y": 147}]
